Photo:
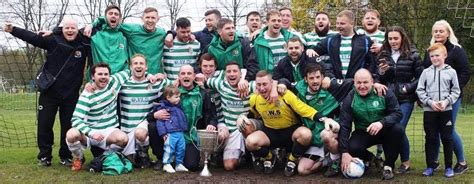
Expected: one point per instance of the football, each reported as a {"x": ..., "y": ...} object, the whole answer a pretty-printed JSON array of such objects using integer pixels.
[{"x": 355, "y": 169}]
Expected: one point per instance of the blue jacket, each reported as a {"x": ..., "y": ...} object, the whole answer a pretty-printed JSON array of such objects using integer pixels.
[{"x": 177, "y": 121}]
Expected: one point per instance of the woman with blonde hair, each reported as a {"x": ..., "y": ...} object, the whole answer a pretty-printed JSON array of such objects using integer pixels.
[{"x": 443, "y": 33}]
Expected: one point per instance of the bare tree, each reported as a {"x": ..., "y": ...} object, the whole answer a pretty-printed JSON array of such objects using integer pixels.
[
  {"x": 62, "y": 11},
  {"x": 234, "y": 9},
  {"x": 128, "y": 7},
  {"x": 96, "y": 8},
  {"x": 93, "y": 8},
  {"x": 174, "y": 7}
]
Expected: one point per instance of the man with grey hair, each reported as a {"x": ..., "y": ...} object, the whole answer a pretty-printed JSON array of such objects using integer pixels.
[{"x": 65, "y": 59}]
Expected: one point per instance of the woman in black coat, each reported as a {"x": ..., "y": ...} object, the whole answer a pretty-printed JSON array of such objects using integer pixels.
[{"x": 400, "y": 68}]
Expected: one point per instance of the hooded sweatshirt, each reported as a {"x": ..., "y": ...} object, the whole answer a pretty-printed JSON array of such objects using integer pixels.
[{"x": 438, "y": 85}]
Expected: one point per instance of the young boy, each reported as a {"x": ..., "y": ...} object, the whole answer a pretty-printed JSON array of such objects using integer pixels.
[
  {"x": 172, "y": 130},
  {"x": 438, "y": 89}
]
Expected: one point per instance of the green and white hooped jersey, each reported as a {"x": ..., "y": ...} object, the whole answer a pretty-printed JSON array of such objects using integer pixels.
[
  {"x": 312, "y": 39},
  {"x": 278, "y": 47},
  {"x": 232, "y": 105},
  {"x": 216, "y": 98},
  {"x": 299, "y": 35},
  {"x": 378, "y": 37},
  {"x": 180, "y": 54},
  {"x": 136, "y": 100},
  {"x": 98, "y": 110},
  {"x": 345, "y": 53}
]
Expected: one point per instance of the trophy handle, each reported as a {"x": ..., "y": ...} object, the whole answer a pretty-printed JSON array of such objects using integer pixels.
[{"x": 205, "y": 171}]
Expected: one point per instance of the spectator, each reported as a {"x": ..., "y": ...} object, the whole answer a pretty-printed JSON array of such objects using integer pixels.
[
  {"x": 438, "y": 89},
  {"x": 457, "y": 59},
  {"x": 400, "y": 68},
  {"x": 66, "y": 57}
]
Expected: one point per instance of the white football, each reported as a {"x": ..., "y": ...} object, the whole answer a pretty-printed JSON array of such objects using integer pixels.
[{"x": 355, "y": 169}]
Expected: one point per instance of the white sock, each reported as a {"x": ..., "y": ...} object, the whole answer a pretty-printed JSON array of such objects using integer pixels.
[{"x": 76, "y": 149}]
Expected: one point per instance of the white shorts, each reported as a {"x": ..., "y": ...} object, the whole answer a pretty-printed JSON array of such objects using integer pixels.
[
  {"x": 127, "y": 150},
  {"x": 234, "y": 146},
  {"x": 130, "y": 147},
  {"x": 143, "y": 124},
  {"x": 313, "y": 150},
  {"x": 101, "y": 144}
]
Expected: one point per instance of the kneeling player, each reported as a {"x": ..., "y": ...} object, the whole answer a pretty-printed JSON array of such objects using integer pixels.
[{"x": 281, "y": 126}]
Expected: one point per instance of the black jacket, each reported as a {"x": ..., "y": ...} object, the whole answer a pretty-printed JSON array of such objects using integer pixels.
[
  {"x": 393, "y": 116},
  {"x": 403, "y": 73},
  {"x": 204, "y": 37},
  {"x": 361, "y": 57},
  {"x": 457, "y": 59},
  {"x": 59, "y": 50},
  {"x": 209, "y": 113},
  {"x": 283, "y": 73}
]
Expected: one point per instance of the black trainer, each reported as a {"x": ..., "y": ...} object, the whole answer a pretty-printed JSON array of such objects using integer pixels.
[
  {"x": 142, "y": 160},
  {"x": 45, "y": 161},
  {"x": 459, "y": 169},
  {"x": 403, "y": 169},
  {"x": 290, "y": 168},
  {"x": 258, "y": 165},
  {"x": 158, "y": 165},
  {"x": 66, "y": 162},
  {"x": 269, "y": 165}
]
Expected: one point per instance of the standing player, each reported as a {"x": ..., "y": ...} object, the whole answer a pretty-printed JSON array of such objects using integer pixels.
[
  {"x": 108, "y": 44},
  {"x": 322, "y": 29},
  {"x": 371, "y": 23},
  {"x": 183, "y": 52},
  {"x": 270, "y": 44},
  {"x": 142, "y": 37}
]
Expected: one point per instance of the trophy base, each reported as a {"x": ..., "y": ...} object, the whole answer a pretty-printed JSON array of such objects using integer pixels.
[{"x": 205, "y": 171}]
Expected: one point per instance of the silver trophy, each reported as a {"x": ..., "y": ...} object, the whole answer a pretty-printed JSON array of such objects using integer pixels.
[{"x": 207, "y": 145}]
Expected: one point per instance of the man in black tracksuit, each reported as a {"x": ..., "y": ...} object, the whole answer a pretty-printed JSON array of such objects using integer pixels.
[
  {"x": 291, "y": 68},
  {"x": 70, "y": 49}
]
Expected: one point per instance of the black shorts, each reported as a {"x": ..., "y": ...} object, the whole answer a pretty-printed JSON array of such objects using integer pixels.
[{"x": 280, "y": 138}]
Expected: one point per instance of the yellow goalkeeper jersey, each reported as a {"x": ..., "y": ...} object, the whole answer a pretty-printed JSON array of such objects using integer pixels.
[{"x": 282, "y": 114}]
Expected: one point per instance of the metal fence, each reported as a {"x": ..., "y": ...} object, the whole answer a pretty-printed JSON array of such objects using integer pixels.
[{"x": 18, "y": 123}]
